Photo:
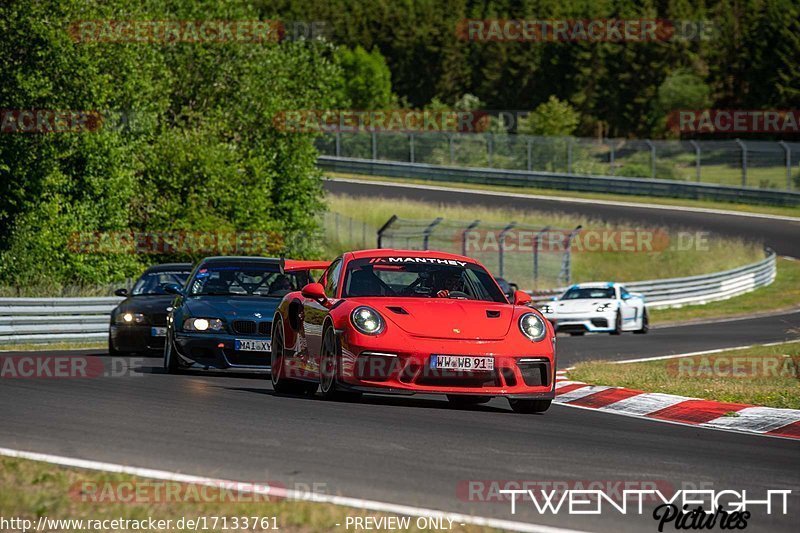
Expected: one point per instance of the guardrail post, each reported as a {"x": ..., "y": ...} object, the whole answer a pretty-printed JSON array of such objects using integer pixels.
[
  {"x": 452, "y": 148},
  {"x": 338, "y": 143},
  {"x": 427, "y": 233},
  {"x": 696, "y": 159},
  {"x": 569, "y": 155},
  {"x": 374, "y": 146},
  {"x": 652, "y": 158},
  {"x": 788, "y": 152},
  {"x": 744, "y": 161},
  {"x": 501, "y": 246},
  {"x": 611, "y": 157},
  {"x": 383, "y": 229},
  {"x": 411, "y": 147},
  {"x": 489, "y": 148},
  {"x": 566, "y": 265},
  {"x": 469, "y": 228},
  {"x": 529, "y": 143}
]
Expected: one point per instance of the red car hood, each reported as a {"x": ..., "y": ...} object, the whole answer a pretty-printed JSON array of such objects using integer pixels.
[{"x": 443, "y": 318}]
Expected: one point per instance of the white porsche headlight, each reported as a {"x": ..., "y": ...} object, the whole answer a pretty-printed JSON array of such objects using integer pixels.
[
  {"x": 367, "y": 320},
  {"x": 532, "y": 326},
  {"x": 203, "y": 324},
  {"x": 546, "y": 309}
]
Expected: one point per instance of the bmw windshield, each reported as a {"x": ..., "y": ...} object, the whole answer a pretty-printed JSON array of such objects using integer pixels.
[
  {"x": 153, "y": 282},
  {"x": 245, "y": 279},
  {"x": 420, "y": 278}
]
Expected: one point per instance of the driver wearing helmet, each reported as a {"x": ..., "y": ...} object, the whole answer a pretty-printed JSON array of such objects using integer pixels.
[{"x": 452, "y": 282}]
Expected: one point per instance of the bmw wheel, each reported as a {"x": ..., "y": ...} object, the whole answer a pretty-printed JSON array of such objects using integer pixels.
[{"x": 171, "y": 363}]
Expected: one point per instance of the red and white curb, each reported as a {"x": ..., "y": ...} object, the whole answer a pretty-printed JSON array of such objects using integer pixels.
[{"x": 679, "y": 409}]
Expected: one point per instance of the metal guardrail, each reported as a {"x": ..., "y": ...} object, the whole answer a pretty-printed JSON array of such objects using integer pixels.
[
  {"x": 49, "y": 320},
  {"x": 696, "y": 290},
  {"x": 562, "y": 181}
]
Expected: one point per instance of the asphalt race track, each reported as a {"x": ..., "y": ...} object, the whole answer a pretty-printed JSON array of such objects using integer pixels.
[
  {"x": 781, "y": 235},
  {"x": 411, "y": 450},
  {"x": 418, "y": 450}
]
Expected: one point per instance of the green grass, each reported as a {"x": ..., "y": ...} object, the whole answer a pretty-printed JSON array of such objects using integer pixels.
[
  {"x": 775, "y": 384},
  {"x": 783, "y": 293},
  {"x": 30, "y": 489},
  {"x": 721, "y": 254},
  {"x": 38, "y": 347},
  {"x": 680, "y": 202}
]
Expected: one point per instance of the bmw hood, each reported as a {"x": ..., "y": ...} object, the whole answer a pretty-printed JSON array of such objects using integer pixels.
[
  {"x": 582, "y": 305},
  {"x": 232, "y": 307},
  {"x": 448, "y": 319},
  {"x": 146, "y": 304}
]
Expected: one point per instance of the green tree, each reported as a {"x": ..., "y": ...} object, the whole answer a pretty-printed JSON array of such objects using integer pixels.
[
  {"x": 552, "y": 118},
  {"x": 366, "y": 82}
]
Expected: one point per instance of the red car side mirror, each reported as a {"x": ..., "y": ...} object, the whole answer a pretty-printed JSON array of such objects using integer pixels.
[
  {"x": 521, "y": 298},
  {"x": 315, "y": 291}
]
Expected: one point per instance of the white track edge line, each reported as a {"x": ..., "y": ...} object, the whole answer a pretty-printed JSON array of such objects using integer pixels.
[
  {"x": 344, "y": 501},
  {"x": 567, "y": 199},
  {"x": 704, "y": 352}
]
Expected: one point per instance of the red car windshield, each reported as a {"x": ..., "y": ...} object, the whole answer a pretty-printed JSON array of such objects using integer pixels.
[{"x": 420, "y": 277}]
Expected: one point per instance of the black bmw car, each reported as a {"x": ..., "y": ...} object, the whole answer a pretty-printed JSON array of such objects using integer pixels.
[
  {"x": 222, "y": 318},
  {"x": 139, "y": 322}
]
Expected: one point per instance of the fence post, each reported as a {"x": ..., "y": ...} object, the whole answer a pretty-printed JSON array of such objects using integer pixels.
[
  {"x": 788, "y": 152},
  {"x": 536, "y": 240},
  {"x": 383, "y": 228},
  {"x": 696, "y": 159},
  {"x": 611, "y": 157},
  {"x": 427, "y": 233},
  {"x": 566, "y": 265},
  {"x": 374, "y": 146},
  {"x": 501, "y": 247},
  {"x": 411, "y": 147},
  {"x": 744, "y": 161},
  {"x": 469, "y": 228},
  {"x": 530, "y": 153},
  {"x": 569, "y": 155},
  {"x": 489, "y": 148},
  {"x": 338, "y": 143},
  {"x": 452, "y": 149},
  {"x": 652, "y": 158}
]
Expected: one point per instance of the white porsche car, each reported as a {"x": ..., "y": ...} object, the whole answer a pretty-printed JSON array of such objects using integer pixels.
[{"x": 597, "y": 307}]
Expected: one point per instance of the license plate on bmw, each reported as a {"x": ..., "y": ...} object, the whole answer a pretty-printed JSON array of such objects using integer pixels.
[
  {"x": 158, "y": 332},
  {"x": 464, "y": 363},
  {"x": 251, "y": 345}
]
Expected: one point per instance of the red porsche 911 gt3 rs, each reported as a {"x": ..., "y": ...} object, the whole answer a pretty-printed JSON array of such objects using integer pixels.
[{"x": 409, "y": 321}]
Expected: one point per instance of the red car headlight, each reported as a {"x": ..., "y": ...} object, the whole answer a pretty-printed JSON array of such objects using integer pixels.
[
  {"x": 532, "y": 326},
  {"x": 367, "y": 320}
]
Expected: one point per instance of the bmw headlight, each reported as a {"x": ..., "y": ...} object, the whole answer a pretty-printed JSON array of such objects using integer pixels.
[
  {"x": 130, "y": 319},
  {"x": 203, "y": 324},
  {"x": 546, "y": 309},
  {"x": 367, "y": 320},
  {"x": 532, "y": 326}
]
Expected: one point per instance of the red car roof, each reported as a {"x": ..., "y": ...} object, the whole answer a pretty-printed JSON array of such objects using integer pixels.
[{"x": 391, "y": 252}]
